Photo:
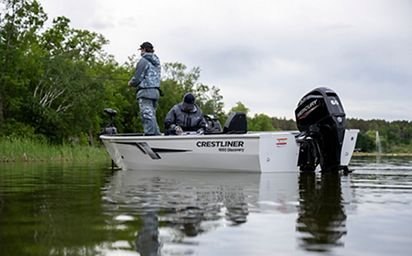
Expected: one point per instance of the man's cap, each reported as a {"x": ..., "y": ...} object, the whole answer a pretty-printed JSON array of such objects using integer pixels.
[
  {"x": 188, "y": 102},
  {"x": 146, "y": 45},
  {"x": 189, "y": 98}
]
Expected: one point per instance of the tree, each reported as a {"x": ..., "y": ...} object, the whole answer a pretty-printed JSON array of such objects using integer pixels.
[
  {"x": 20, "y": 21},
  {"x": 284, "y": 124},
  {"x": 239, "y": 107},
  {"x": 70, "y": 88},
  {"x": 48, "y": 80},
  {"x": 177, "y": 72},
  {"x": 261, "y": 122},
  {"x": 177, "y": 80}
]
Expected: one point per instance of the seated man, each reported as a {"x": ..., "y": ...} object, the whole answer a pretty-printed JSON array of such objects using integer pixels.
[{"x": 185, "y": 116}]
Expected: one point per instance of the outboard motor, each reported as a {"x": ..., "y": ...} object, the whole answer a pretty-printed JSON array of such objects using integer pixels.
[
  {"x": 321, "y": 121},
  {"x": 110, "y": 128}
]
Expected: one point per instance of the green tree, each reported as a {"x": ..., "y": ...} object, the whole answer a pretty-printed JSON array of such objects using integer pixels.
[
  {"x": 178, "y": 80},
  {"x": 284, "y": 124},
  {"x": 69, "y": 89},
  {"x": 49, "y": 77},
  {"x": 56, "y": 81},
  {"x": 260, "y": 122},
  {"x": 178, "y": 72},
  {"x": 20, "y": 21},
  {"x": 394, "y": 136},
  {"x": 240, "y": 107}
]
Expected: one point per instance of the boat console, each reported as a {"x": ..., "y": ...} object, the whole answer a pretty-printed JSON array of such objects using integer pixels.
[
  {"x": 321, "y": 121},
  {"x": 213, "y": 124}
]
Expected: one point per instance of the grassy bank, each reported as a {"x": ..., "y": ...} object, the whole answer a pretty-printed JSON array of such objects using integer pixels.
[{"x": 28, "y": 150}]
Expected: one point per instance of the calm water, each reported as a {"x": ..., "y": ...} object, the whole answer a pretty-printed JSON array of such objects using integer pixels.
[{"x": 90, "y": 210}]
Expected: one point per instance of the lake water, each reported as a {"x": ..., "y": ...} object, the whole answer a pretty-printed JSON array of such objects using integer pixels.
[{"x": 92, "y": 210}]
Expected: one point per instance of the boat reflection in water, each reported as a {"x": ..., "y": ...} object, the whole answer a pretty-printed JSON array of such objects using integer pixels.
[
  {"x": 172, "y": 206},
  {"x": 167, "y": 211},
  {"x": 321, "y": 219}
]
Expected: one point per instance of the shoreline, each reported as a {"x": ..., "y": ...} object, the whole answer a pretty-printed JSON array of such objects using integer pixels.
[{"x": 382, "y": 154}]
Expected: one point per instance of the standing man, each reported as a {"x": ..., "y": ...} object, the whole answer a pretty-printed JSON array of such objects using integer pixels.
[{"x": 146, "y": 80}]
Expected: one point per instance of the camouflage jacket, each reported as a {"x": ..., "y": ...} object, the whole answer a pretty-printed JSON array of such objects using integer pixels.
[{"x": 146, "y": 78}]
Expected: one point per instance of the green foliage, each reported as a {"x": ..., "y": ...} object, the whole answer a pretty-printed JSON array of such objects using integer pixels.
[
  {"x": 20, "y": 22},
  {"x": 177, "y": 81},
  {"x": 284, "y": 124},
  {"x": 56, "y": 81},
  {"x": 260, "y": 122},
  {"x": 50, "y": 79},
  {"x": 365, "y": 142},
  {"x": 240, "y": 107},
  {"x": 395, "y": 136}
]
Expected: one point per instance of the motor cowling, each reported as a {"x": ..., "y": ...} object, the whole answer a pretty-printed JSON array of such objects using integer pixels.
[{"x": 321, "y": 120}]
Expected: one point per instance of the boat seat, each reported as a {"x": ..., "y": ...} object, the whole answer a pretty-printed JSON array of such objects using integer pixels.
[{"x": 236, "y": 123}]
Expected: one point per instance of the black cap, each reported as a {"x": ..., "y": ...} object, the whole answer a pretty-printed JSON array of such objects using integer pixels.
[
  {"x": 189, "y": 98},
  {"x": 188, "y": 102},
  {"x": 146, "y": 46}
]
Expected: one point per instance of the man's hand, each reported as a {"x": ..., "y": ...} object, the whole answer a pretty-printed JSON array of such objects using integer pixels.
[{"x": 178, "y": 130}]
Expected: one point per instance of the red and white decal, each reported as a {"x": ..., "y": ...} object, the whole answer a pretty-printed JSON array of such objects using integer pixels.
[{"x": 281, "y": 141}]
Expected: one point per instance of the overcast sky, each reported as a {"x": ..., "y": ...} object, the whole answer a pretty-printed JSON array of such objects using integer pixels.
[{"x": 268, "y": 53}]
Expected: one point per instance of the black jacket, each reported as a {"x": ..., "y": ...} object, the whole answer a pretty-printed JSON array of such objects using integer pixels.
[{"x": 189, "y": 121}]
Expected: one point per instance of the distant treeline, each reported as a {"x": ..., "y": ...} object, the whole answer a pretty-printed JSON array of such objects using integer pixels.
[
  {"x": 55, "y": 82},
  {"x": 392, "y": 137}
]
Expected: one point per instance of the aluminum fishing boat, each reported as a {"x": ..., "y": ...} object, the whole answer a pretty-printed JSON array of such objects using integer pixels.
[{"x": 322, "y": 142}]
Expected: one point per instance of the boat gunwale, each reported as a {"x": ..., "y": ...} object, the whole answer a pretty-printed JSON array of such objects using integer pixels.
[{"x": 135, "y": 136}]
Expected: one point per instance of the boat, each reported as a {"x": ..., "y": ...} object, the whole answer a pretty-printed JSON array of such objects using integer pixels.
[{"x": 321, "y": 142}]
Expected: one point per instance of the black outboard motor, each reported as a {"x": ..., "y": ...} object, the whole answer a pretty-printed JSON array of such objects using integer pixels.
[
  {"x": 110, "y": 128},
  {"x": 321, "y": 120}
]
